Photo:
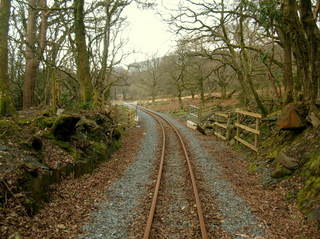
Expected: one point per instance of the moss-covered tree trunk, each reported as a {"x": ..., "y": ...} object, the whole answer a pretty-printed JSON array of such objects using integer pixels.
[
  {"x": 304, "y": 34},
  {"x": 311, "y": 29},
  {"x": 31, "y": 58},
  {"x": 5, "y": 99},
  {"x": 287, "y": 70},
  {"x": 82, "y": 54}
]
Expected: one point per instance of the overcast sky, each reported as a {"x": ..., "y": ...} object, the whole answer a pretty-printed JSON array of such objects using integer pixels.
[{"x": 147, "y": 33}]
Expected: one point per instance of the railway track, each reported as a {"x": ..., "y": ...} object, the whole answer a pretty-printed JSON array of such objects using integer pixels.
[{"x": 152, "y": 212}]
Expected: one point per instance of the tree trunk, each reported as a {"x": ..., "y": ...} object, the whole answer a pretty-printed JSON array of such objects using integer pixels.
[
  {"x": 313, "y": 35},
  {"x": 192, "y": 94},
  {"x": 55, "y": 90},
  {"x": 43, "y": 26},
  {"x": 82, "y": 55},
  {"x": 31, "y": 58},
  {"x": 246, "y": 68},
  {"x": 298, "y": 93},
  {"x": 244, "y": 88},
  {"x": 287, "y": 70},
  {"x": 179, "y": 89},
  {"x": 234, "y": 59},
  {"x": 295, "y": 30},
  {"x": 201, "y": 88},
  {"x": 223, "y": 91},
  {"x": 6, "y": 106}
]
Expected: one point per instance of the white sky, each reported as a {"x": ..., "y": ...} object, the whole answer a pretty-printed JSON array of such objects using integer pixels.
[{"x": 147, "y": 33}]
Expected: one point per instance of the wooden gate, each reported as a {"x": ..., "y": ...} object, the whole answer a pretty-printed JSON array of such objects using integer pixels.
[
  {"x": 224, "y": 126},
  {"x": 255, "y": 131}
]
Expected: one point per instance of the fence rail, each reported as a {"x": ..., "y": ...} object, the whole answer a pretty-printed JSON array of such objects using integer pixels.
[
  {"x": 255, "y": 131},
  {"x": 223, "y": 124},
  {"x": 225, "y": 127},
  {"x": 194, "y": 117}
]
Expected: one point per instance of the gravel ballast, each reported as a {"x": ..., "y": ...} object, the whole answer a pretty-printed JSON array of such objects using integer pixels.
[
  {"x": 238, "y": 220},
  {"x": 175, "y": 215},
  {"x": 115, "y": 215}
]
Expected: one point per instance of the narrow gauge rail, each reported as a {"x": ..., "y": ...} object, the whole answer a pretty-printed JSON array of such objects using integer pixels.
[{"x": 148, "y": 227}]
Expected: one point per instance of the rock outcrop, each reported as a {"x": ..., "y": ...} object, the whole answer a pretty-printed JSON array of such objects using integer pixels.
[
  {"x": 287, "y": 161},
  {"x": 292, "y": 117},
  {"x": 65, "y": 127}
]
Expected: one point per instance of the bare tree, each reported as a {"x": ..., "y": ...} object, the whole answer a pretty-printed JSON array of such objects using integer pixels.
[
  {"x": 5, "y": 99},
  {"x": 31, "y": 58},
  {"x": 82, "y": 55}
]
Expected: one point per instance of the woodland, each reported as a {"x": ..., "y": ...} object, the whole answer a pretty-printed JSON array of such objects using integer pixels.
[
  {"x": 62, "y": 65},
  {"x": 69, "y": 51}
]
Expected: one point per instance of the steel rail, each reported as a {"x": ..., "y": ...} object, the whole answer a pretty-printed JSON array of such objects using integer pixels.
[
  {"x": 156, "y": 190},
  {"x": 203, "y": 229}
]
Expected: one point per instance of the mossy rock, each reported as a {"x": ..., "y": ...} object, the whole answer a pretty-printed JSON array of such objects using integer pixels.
[
  {"x": 33, "y": 143},
  {"x": 97, "y": 150},
  {"x": 103, "y": 120},
  {"x": 309, "y": 196},
  {"x": 89, "y": 129},
  {"x": 87, "y": 124},
  {"x": 64, "y": 127},
  {"x": 24, "y": 121},
  {"x": 66, "y": 146},
  {"x": 116, "y": 134},
  {"x": 280, "y": 172},
  {"x": 273, "y": 116},
  {"x": 313, "y": 165},
  {"x": 9, "y": 128},
  {"x": 43, "y": 122}
]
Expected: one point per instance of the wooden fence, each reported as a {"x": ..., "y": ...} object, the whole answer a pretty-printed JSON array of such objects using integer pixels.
[
  {"x": 255, "y": 131},
  {"x": 204, "y": 112},
  {"x": 194, "y": 114},
  {"x": 193, "y": 118},
  {"x": 223, "y": 124}
]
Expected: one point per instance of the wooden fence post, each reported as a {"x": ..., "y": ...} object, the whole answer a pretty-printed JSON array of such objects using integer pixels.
[
  {"x": 256, "y": 136},
  {"x": 228, "y": 133},
  {"x": 238, "y": 121}
]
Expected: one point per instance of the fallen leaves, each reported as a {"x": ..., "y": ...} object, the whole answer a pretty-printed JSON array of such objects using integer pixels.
[
  {"x": 279, "y": 215},
  {"x": 72, "y": 200}
]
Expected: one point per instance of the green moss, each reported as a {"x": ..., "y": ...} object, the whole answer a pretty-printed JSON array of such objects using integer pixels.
[
  {"x": 44, "y": 122},
  {"x": 97, "y": 150},
  {"x": 314, "y": 165},
  {"x": 253, "y": 167},
  {"x": 64, "y": 145},
  {"x": 6, "y": 106},
  {"x": 116, "y": 144},
  {"x": 309, "y": 196},
  {"x": 75, "y": 154},
  {"x": 24, "y": 121},
  {"x": 9, "y": 128},
  {"x": 272, "y": 154}
]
